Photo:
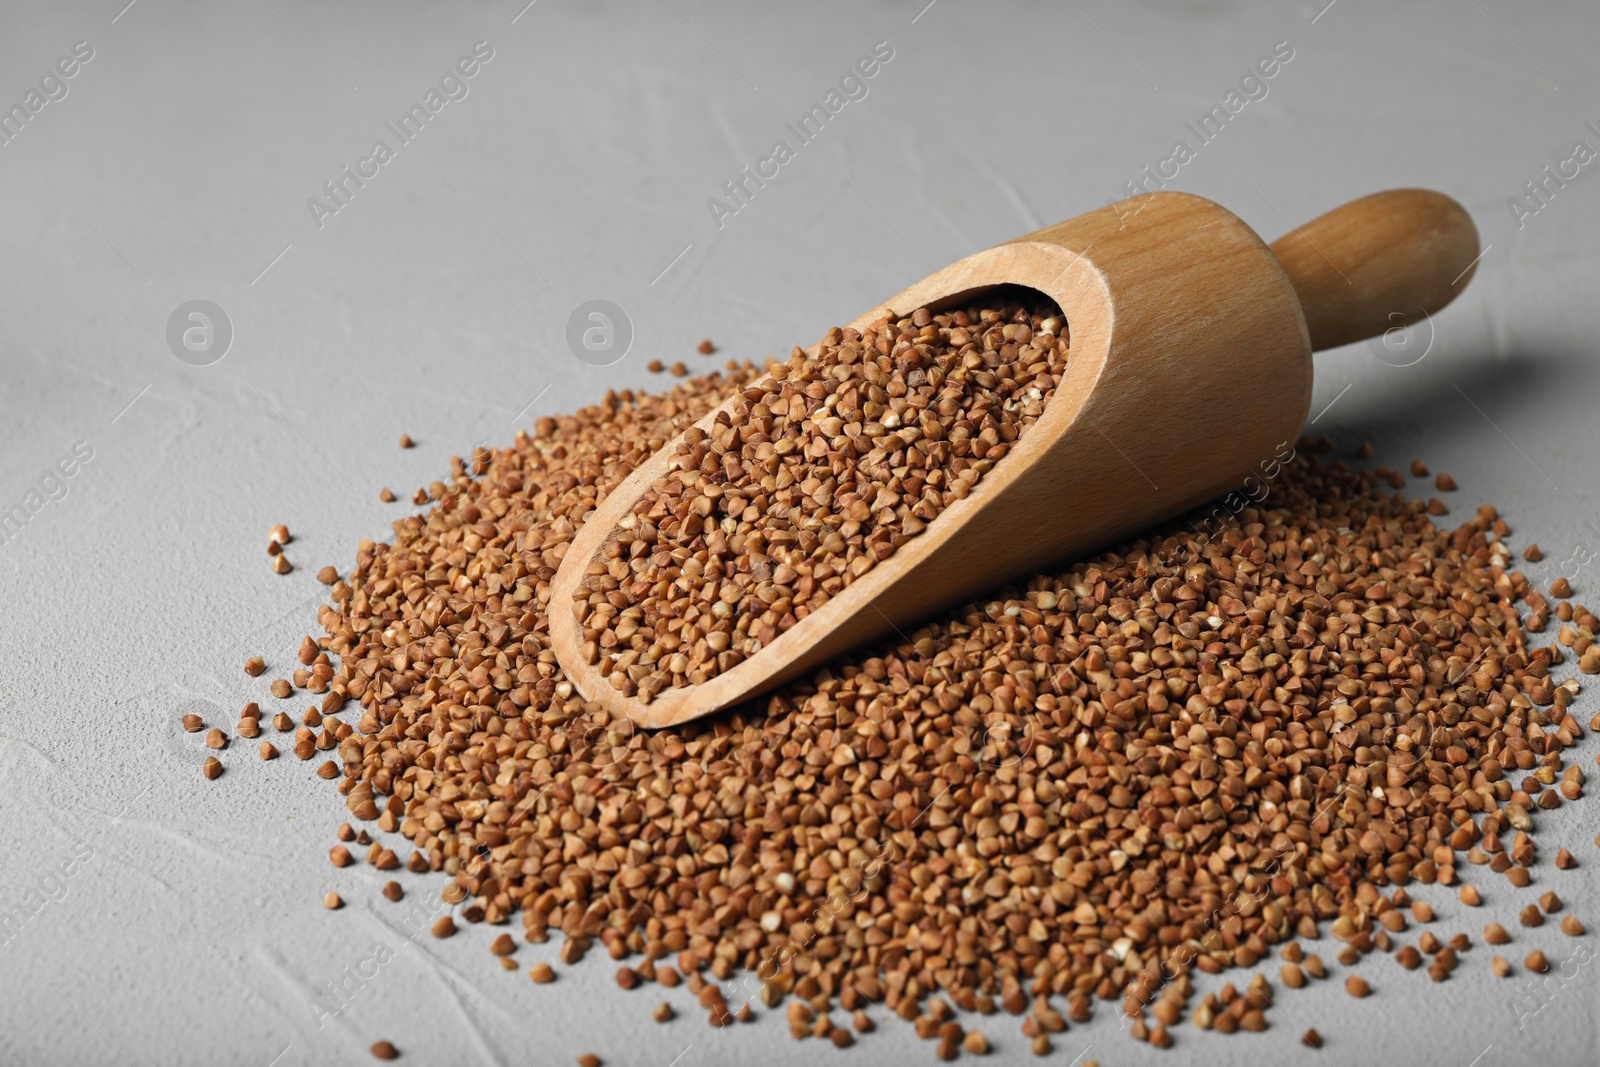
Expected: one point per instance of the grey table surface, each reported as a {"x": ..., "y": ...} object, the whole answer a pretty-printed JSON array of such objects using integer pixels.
[{"x": 148, "y": 916}]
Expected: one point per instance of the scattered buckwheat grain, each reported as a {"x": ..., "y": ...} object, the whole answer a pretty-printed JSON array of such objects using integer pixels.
[{"x": 1045, "y": 792}]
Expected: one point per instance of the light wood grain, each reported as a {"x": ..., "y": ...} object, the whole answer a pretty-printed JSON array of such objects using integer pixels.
[
  {"x": 1190, "y": 365},
  {"x": 1385, "y": 261}
]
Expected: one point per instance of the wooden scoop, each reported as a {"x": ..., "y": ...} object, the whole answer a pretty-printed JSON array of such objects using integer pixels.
[{"x": 1190, "y": 368}]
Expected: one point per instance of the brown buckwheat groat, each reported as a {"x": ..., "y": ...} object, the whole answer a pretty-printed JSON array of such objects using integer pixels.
[
  {"x": 1048, "y": 798},
  {"x": 816, "y": 475}
]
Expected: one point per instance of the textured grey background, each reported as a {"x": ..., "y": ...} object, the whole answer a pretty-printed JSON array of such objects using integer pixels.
[{"x": 578, "y": 167}]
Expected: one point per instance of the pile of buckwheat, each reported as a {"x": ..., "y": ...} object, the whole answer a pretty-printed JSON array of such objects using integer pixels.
[{"x": 1182, "y": 755}]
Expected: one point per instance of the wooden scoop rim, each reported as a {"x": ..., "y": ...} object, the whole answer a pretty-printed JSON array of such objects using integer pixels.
[{"x": 1068, "y": 276}]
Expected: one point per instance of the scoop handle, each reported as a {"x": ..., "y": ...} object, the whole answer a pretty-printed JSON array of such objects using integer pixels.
[{"x": 1378, "y": 263}]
